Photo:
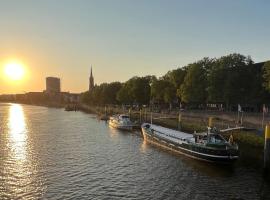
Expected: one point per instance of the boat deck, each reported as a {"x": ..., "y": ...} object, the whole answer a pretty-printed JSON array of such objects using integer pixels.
[{"x": 173, "y": 135}]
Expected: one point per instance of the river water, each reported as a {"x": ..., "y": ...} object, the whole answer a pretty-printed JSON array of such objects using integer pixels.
[{"x": 47, "y": 153}]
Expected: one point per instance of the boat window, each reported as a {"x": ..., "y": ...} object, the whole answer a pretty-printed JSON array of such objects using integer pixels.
[
  {"x": 125, "y": 117},
  {"x": 216, "y": 139}
]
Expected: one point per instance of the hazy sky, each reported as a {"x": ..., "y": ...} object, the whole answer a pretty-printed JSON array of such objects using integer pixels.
[{"x": 124, "y": 38}]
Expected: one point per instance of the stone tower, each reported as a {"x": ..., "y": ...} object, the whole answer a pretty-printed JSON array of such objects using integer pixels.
[{"x": 91, "y": 81}]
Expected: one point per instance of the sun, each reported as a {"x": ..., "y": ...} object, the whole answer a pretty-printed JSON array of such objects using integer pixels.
[{"x": 14, "y": 70}]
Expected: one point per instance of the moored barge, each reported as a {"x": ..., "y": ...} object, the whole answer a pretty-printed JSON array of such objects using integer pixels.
[{"x": 209, "y": 146}]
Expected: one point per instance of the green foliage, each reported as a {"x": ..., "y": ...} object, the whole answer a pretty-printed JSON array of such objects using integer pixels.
[
  {"x": 162, "y": 91},
  {"x": 123, "y": 95},
  {"x": 85, "y": 97},
  {"x": 140, "y": 90},
  {"x": 230, "y": 79},
  {"x": 266, "y": 76},
  {"x": 110, "y": 92},
  {"x": 135, "y": 90},
  {"x": 105, "y": 93},
  {"x": 169, "y": 94},
  {"x": 193, "y": 89},
  {"x": 239, "y": 78},
  {"x": 176, "y": 77}
]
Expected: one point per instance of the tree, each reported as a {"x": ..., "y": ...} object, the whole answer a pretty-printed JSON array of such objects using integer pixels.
[
  {"x": 110, "y": 92},
  {"x": 169, "y": 95},
  {"x": 231, "y": 79},
  {"x": 140, "y": 90},
  {"x": 96, "y": 95},
  {"x": 266, "y": 76},
  {"x": 123, "y": 95},
  {"x": 216, "y": 81},
  {"x": 162, "y": 91},
  {"x": 85, "y": 97},
  {"x": 135, "y": 90},
  {"x": 176, "y": 77},
  {"x": 193, "y": 89}
]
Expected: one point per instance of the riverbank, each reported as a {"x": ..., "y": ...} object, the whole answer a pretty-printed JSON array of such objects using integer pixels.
[
  {"x": 187, "y": 122},
  {"x": 251, "y": 143}
]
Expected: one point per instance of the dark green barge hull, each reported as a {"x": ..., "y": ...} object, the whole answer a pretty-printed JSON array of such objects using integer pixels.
[{"x": 220, "y": 156}]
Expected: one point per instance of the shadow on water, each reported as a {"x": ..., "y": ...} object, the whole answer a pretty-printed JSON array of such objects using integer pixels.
[
  {"x": 250, "y": 157},
  {"x": 206, "y": 168},
  {"x": 253, "y": 158},
  {"x": 249, "y": 165}
]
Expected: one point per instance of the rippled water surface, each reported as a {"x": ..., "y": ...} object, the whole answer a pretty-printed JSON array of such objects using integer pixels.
[{"x": 47, "y": 153}]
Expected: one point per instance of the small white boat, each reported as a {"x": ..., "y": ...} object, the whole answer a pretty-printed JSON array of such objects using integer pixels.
[{"x": 122, "y": 122}]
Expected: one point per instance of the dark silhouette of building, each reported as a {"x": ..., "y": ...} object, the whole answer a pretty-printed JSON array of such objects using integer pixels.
[
  {"x": 53, "y": 85},
  {"x": 91, "y": 81}
]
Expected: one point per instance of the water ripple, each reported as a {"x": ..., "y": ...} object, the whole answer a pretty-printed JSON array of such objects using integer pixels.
[{"x": 54, "y": 154}]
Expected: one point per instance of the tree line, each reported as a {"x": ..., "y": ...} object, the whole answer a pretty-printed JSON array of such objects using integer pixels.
[{"x": 228, "y": 80}]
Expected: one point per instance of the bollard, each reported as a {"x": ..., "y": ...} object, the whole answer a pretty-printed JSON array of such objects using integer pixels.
[
  {"x": 267, "y": 149},
  {"x": 210, "y": 122},
  {"x": 145, "y": 115},
  {"x": 179, "y": 121}
]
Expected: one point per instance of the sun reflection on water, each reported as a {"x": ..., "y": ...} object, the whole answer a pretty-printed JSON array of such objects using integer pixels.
[
  {"x": 20, "y": 166},
  {"x": 18, "y": 132}
]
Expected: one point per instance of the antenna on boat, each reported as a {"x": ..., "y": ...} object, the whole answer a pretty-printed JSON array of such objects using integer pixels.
[
  {"x": 208, "y": 130},
  {"x": 151, "y": 117},
  {"x": 210, "y": 124}
]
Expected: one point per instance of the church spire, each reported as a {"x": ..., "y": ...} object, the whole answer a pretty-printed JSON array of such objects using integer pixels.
[
  {"x": 91, "y": 80},
  {"x": 91, "y": 74}
]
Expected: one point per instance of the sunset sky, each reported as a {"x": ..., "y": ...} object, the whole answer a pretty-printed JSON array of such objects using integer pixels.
[{"x": 123, "y": 38}]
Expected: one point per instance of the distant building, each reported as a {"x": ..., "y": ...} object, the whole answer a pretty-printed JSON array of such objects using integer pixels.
[
  {"x": 91, "y": 81},
  {"x": 53, "y": 85},
  {"x": 36, "y": 97},
  {"x": 70, "y": 97},
  {"x": 7, "y": 97}
]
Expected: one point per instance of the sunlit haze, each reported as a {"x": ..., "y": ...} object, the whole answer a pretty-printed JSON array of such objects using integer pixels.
[
  {"x": 121, "y": 39},
  {"x": 14, "y": 71}
]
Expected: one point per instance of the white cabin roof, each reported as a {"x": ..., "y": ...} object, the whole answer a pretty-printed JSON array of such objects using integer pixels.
[{"x": 170, "y": 132}]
